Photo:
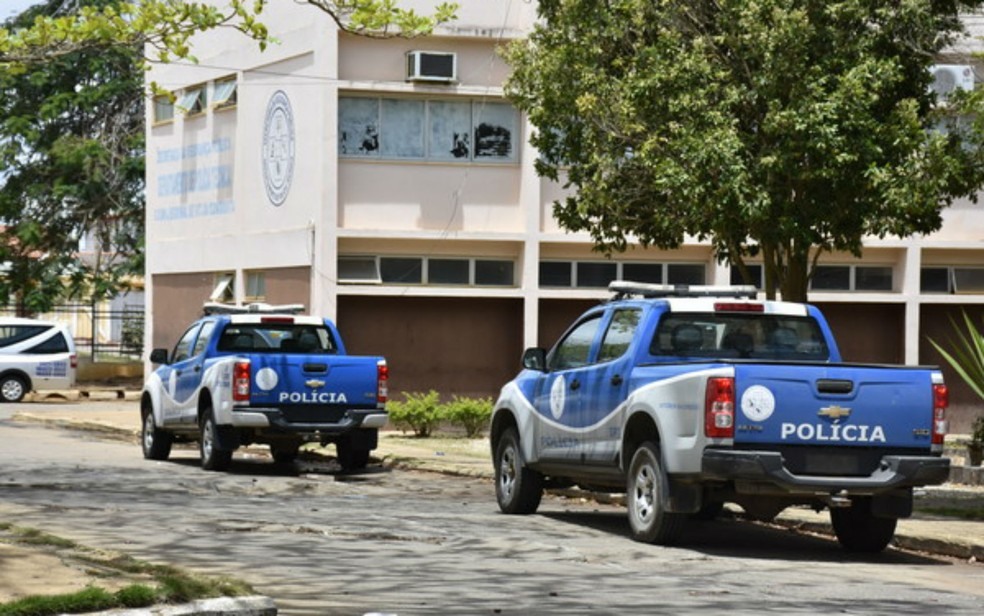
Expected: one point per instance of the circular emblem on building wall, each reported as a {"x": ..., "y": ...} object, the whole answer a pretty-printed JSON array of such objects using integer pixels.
[{"x": 278, "y": 148}]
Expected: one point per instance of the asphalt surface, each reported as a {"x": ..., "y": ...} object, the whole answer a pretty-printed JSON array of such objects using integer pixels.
[{"x": 927, "y": 531}]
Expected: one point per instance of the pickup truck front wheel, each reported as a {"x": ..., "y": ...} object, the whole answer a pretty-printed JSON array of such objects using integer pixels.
[
  {"x": 214, "y": 457},
  {"x": 156, "y": 442},
  {"x": 859, "y": 530},
  {"x": 518, "y": 489},
  {"x": 647, "y": 483}
]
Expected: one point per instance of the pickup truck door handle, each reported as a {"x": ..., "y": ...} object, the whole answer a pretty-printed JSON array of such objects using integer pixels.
[
  {"x": 575, "y": 384},
  {"x": 617, "y": 380}
]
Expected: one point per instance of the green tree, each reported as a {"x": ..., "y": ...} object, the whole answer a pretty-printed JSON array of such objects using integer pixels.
[
  {"x": 71, "y": 146},
  {"x": 776, "y": 129},
  {"x": 166, "y": 26}
]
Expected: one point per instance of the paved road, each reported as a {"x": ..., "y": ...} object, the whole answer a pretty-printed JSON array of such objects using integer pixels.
[{"x": 402, "y": 542}]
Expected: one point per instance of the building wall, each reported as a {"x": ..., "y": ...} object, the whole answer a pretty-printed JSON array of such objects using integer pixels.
[
  {"x": 340, "y": 204},
  {"x": 463, "y": 346}
]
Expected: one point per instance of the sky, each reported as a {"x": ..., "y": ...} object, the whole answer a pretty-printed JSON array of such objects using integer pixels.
[{"x": 9, "y": 8}]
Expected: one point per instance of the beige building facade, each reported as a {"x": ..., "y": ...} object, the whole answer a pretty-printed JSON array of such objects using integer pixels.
[{"x": 389, "y": 185}]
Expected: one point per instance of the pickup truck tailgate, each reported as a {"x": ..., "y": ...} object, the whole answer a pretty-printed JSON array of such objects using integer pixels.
[
  {"x": 834, "y": 405},
  {"x": 315, "y": 380}
]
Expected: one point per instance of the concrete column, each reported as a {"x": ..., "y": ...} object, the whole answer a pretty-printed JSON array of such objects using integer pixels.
[
  {"x": 530, "y": 200},
  {"x": 912, "y": 267}
]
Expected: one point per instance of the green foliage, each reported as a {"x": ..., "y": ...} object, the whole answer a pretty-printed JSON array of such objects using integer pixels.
[
  {"x": 136, "y": 595},
  {"x": 473, "y": 414},
  {"x": 71, "y": 144},
  {"x": 165, "y": 27},
  {"x": 777, "y": 129},
  {"x": 977, "y": 431},
  {"x": 90, "y": 599},
  {"x": 418, "y": 412},
  {"x": 966, "y": 354}
]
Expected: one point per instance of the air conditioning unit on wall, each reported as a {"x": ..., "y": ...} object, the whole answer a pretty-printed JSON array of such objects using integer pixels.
[
  {"x": 948, "y": 78},
  {"x": 433, "y": 66}
]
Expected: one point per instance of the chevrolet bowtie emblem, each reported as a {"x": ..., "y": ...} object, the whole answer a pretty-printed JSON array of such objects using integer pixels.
[
  {"x": 315, "y": 383},
  {"x": 834, "y": 412}
]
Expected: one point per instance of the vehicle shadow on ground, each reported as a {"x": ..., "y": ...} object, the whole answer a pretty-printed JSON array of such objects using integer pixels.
[
  {"x": 264, "y": 466},
  {"x": 734, "y": 537}
]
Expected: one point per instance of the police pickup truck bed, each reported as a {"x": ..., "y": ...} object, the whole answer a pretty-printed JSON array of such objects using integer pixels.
[
  {"x": 261, "y": 374},
  {"x": 687, "y": 398}
]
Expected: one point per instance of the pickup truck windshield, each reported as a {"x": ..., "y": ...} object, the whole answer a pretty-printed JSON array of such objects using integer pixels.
[
  {"x": 739, "y": 336},
  {"x": 276, "y": 338}
]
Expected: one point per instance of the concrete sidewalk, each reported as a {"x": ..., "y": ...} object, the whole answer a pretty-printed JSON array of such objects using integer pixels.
[{"x": 935, "y": 527}]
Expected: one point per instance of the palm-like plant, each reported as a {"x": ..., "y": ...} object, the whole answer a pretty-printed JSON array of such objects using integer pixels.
[{"x": 966, "y": 356}]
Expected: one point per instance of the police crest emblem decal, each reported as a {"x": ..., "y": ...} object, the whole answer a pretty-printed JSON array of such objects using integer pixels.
[{"x": 278, "y": 148}]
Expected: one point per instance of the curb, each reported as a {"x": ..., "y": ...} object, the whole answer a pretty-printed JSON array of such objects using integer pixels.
[{"x": 255, "y": 605}]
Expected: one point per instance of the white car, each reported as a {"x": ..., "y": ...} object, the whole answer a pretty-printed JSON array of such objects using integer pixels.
[{"x": 34, "y": 355}]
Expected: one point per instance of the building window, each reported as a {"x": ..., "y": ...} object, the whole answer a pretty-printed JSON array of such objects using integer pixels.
[
  {"x": 358, "y": 270},
  {"x": 754, "y": 271},
  {"x": 942, "y": 279},
  {"x": 256, "y": 286},
  {"x": 851, "y": 278},
  {"x": 493, "y": 273},
  {"x": 163, "y": 108},
  {"x": 193, "y": 101},
  {"x": 594, "y": 274},
  {"x": 444, "y": 130},
  {"x": 224, "y": 289},
  {"x": 401, "y": 270},
  {"x": 447, "y": 271},
  {"x": 224, "y": 94},
  {"x": 598, "y": 274},
  {"x": 456, "y": 271},
  {"x": 651, "y": 273}
]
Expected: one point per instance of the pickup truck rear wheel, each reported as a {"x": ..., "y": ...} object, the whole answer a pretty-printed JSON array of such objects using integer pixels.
[
  {"x": 156, "y": 443},
  {"x": 518, "y": 489},
  {"x": 858, "y": 530},
  {"x": 647, "y": 483},
  {"x": 284, "y": 454},
  {"x": 12, "y": 388},
  {"x": 351, "y": 457},
  {"x": 214, "y": 457}
]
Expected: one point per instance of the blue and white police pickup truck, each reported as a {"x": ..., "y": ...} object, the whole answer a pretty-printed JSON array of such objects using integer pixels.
[
  {"x": 263, "y": 374},
  {"x": 688, "y": 398}
]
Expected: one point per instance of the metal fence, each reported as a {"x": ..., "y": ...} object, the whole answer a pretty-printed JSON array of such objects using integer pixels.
[{"x": 102, "y": 332}]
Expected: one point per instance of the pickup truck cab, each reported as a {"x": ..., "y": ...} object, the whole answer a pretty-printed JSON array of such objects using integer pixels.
[
  {"x": 263, "y": 374},
  {"x": 689, "y": 397}
]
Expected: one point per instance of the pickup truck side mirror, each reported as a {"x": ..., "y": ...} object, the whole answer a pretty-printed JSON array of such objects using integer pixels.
[
  {"x": 158, "y": 356},
  {"x": 535, "y": 358}
]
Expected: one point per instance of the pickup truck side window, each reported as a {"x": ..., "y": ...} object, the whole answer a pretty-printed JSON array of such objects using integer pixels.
[
  {"x": 620, "y": 332},
  {"x": 203, "y": 338},
  {"x": 575, "y": 349},
  {"x": 182, "y": 350}
]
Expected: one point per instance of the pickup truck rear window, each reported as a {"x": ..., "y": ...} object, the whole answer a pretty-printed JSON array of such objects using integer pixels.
[
  {"x": 276, "y": 338},
  {"x": 739, "y": 336}
]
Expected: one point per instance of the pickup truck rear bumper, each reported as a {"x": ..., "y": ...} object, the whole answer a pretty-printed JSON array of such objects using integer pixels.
[
  {"x": 893, "y": 472},
  {"x": 351, "y": 419}
]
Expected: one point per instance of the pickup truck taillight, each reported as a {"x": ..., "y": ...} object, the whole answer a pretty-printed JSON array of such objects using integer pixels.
[
  {"x": 941, "y": 400},
  {"x": 382, "y": 382},
  {"x": 719, "y": 408},
  {"x": 240, "y": 381}
]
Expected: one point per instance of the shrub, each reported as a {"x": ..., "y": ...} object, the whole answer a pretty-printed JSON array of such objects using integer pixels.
[
  {"x": 472, "y": 414},
  {"x": 418, "y": 412}
]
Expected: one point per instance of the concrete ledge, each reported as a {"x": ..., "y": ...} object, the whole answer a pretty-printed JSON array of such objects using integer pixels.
[
  {"x": 221, "y": 606},
  {"x": 967, "y": 475}
]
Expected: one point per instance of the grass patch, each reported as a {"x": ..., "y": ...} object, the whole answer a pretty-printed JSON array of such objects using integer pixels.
[{"x": 162, "y": 584}]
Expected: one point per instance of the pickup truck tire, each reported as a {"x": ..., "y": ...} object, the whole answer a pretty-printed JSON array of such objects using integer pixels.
[
  {"x": 351, "y": 457},
  {"x": 284, "y": 454},
  {"x": 156, "y": 443},
  {"x": 858, "y": 530},
  {"x": 518, "y": 489},
  {"x": 214, "y": 457},
  {"x": 649, "y": 521},
  {"x": 12, "y": 388}
]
